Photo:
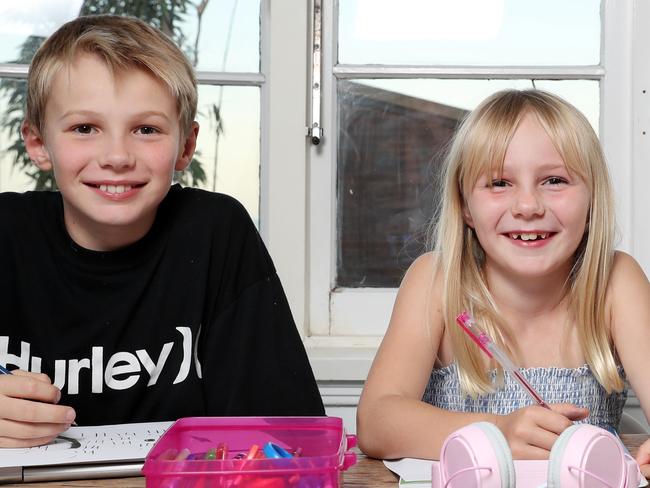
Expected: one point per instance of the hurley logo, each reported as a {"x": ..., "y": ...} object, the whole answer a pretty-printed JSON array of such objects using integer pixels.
[{"x": 119, "y": 372}]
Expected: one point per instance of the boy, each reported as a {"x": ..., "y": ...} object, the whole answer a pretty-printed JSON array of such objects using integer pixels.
[{"x": 142, "y": 302}]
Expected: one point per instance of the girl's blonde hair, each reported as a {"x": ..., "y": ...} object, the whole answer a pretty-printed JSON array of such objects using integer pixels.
[{"x": 479, "y": 148}]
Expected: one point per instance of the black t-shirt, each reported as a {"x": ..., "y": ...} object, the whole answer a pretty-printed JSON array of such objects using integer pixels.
[{"x": 190, "y": 320}]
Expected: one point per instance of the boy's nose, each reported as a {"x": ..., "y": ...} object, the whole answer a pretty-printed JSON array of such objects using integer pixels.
[
  {"x": 527, "y": 204},
  {"x": 117, "y": 155}
]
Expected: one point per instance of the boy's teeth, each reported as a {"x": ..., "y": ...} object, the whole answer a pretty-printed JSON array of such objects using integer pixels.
[
  {"x": 529, "y": 237},
  {"x": 115, "y": 188}
]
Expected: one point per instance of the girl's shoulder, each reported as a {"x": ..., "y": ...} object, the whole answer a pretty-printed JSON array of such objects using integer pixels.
[
  {"x": 421, "y": 290},
  {"x": 625, "y": 273},
  {"x": 421, "y": 287},
  {"x": 628, "y": 289},
  {"x": 424, "y": 272}
]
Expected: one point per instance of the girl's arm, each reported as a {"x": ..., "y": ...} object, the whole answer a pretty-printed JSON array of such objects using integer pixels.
[
  {"x": 393, "y": 421},
  {"x": 629, "y": 301}
]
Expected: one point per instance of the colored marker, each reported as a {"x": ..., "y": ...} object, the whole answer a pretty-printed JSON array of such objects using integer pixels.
[
  {"x": 273, "y": 451},
  {"x": 222, "y": 451}
]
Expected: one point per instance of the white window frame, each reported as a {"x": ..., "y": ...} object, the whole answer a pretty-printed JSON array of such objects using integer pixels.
[{"x": 342, "y": 328}]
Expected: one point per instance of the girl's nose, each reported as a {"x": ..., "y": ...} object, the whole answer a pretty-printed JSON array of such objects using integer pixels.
[{"x": 527, "y": 204}]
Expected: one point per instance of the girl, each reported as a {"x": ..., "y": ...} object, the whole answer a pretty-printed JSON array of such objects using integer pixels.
[{"x": 525, "y": 243}]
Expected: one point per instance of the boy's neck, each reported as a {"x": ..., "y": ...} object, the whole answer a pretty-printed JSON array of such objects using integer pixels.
[{"x": 103, "y": 238}]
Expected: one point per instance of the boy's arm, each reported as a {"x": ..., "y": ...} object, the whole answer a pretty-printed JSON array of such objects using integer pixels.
[
  {"x": 255, "y": 362},
  {"x": 29, "y": 415},
  {"x": 629, "y": 301},
  {"x": 253, "y": 359}
]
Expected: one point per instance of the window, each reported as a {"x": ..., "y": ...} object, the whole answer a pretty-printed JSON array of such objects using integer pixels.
[{"x": 396, "y": 81}]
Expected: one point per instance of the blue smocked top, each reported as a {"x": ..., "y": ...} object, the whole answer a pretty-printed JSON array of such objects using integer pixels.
[{"x": 555, "y": 385}]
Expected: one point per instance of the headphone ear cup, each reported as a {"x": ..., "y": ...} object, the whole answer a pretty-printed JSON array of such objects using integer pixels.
[
  {"x": 583, "y": 454},
  {"x": 556, "y": 456},
  {"x": 477, "y": 456}
]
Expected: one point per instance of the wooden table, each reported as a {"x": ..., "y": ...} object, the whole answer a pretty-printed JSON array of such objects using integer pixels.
[{"x": 365, "y": 474}]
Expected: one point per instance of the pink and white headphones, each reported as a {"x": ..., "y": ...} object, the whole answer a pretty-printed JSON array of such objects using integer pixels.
[{"x": 584, "y": 456}]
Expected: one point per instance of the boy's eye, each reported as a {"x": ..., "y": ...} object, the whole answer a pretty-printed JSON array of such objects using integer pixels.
[
  {"x": 147, "y": 130},
  {"x": 84, "y": 129}
]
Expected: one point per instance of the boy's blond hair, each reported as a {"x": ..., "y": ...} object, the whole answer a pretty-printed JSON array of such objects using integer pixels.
[
  {"x": 123, "y": 43},
  {"x": 479, "y": 148}
]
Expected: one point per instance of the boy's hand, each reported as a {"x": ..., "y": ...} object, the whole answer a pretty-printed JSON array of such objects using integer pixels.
[
  {"x": 29, "y": 415},
  {"x": 532, "y": 431},
  {"x": 643, "y": 458}
]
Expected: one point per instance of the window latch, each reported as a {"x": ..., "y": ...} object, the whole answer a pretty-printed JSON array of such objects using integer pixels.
[{"x": 315, "y": 131}]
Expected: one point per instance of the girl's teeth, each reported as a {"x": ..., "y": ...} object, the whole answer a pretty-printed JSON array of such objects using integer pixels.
[{"x": 529, "y": 237}]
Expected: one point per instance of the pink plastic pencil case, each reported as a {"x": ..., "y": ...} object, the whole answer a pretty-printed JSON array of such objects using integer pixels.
[{"x": 319, "y": 447}]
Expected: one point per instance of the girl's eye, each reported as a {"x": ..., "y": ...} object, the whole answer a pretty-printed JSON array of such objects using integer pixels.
[
  {"x": 499, "y": 183},
  {"x": 83, "y": 129},
  {"x": 147, "y": 130},
  {"x": 555, "y": 180}
]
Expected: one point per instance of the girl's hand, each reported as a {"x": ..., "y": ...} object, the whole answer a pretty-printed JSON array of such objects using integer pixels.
[
  {"x": 532, "y": 431},
  {"x": 29, "y": 415},
  {"x": 643, "y": 458}
]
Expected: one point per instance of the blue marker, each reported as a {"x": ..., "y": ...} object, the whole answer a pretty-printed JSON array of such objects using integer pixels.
[{"x": 273, "y": 451}]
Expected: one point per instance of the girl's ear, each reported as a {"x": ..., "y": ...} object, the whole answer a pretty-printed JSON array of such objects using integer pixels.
[
  {"x": 35, "y": 146},
  {"x": 467, "y": 215},
  {"x": 187, "y": 151}
]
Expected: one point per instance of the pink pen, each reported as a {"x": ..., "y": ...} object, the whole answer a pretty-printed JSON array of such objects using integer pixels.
[{"x": 467, "y": 323}]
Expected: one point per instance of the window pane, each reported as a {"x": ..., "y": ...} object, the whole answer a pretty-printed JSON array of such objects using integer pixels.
[
  {"x": 225, "y": 36},
  {"x": 469, "y": 32},
  {"x": 229, "y": 38},
  {"x": 230, "y": 152},
  {"x": 391, "y": 141},
  {"x": 36, "y": 19}
]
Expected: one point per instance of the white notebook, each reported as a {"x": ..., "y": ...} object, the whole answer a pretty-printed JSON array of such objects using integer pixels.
[{"x": 83, "y": 453}]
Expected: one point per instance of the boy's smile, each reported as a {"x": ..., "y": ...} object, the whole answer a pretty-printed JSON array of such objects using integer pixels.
[
  {"x": 530, "y": 219},
  {"x": 113, "y": 142}
]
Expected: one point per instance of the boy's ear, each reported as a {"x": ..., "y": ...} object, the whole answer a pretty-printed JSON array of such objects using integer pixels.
[
  {"x": 35, "y": 146},
  {"x": 187, "y": 151}
]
